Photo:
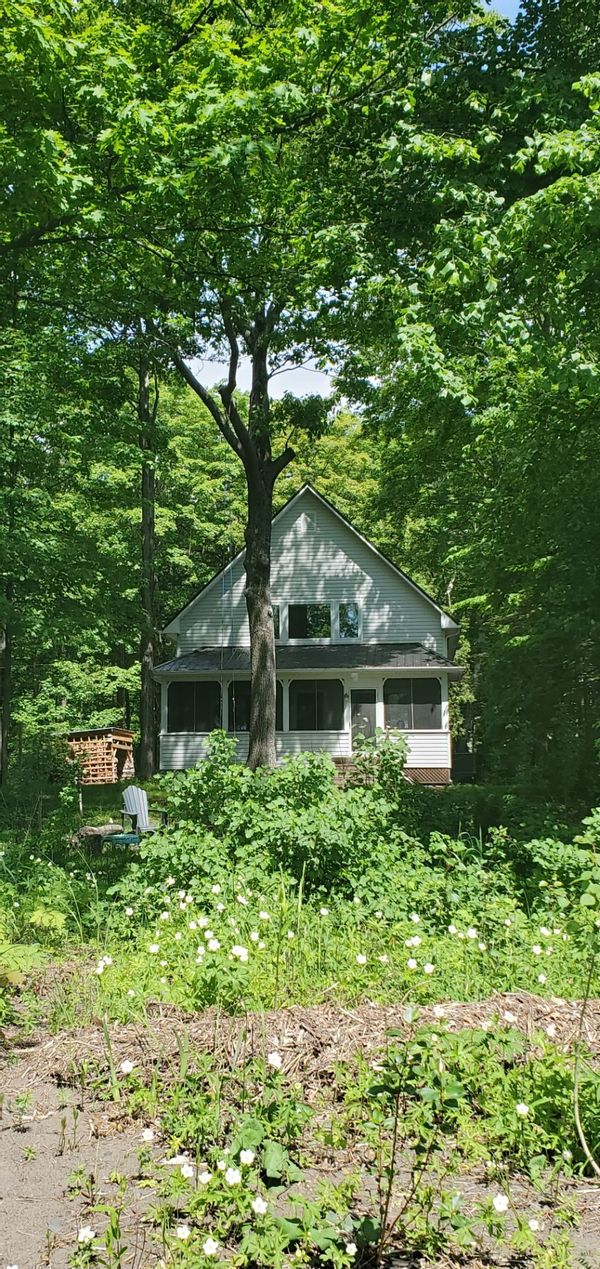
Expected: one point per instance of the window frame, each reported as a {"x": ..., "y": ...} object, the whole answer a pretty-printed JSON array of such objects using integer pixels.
[
  {"x": 339, "y": 638},
  {"x": 310, "y": 603},
  {"x": 335, "y": 635},
  {"x": 410, "y": 680}
]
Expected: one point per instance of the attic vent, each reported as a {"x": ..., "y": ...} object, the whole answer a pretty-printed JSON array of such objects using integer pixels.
[{"x": 307, "y": 522}]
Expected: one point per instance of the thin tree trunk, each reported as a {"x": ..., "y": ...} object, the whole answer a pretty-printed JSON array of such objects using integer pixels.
[
  {"x": 147, "y": 407},
  {"x": 6, "y": 702}
]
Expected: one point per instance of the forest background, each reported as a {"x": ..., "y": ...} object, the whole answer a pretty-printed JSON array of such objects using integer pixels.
[{"x": 456, "y": 314}]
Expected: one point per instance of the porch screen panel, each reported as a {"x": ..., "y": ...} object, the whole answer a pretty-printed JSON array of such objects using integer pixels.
[
  {"x": 180, "y": 707},
  {"x": 207, "y": 702},
  {"x": 316, "y": 705},
  {"x": 194, "y": 706},
  {"x": 427, "y": 704},
  {"x": 239, "y": 706},
  {"x": 397, "y": 704},
  {"x": 413, "y": 704}
]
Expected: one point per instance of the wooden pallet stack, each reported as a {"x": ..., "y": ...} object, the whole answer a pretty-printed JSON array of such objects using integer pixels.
[{"x": 106, "y": 754}]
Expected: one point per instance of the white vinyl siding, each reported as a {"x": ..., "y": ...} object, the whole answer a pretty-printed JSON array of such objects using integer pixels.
[
  {"x": 425, "y": 748},
  {"x": 316, "y": 559}
]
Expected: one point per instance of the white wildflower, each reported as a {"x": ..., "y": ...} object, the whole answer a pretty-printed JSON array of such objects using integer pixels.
[
  {"x": 361, "y": 959},
  {"x": 247, "y": 1157},
  {"x": 259, "y": 1206},
  {"x": 183, "y": 1232},
  {"x": 471, "y": 932},
  {"x": 414, "y": 918},
  {"x": 210, "y": 1247},
  {"x": 264, "y": 916},
  {"x": 216, "y": 889},
  {"x": 323, "y": 912},
  {"x": 127, "y": 1067},
  {"x": 351, "y": 1249},
  {"x": 536, "y": 949},
  {"x": 500, "y": 1203},
  {"x": 240, "y": 952},
  {"x": 86, "y": 1234},
  {"x": 187, "y": 1171},
  {"x": 233, "y": 1176},
  {"x": 452, "y": 929},
  {"x": 411, "y": 962},
  {"x": 274, "y": 1060},
  {"x": 154, "y": 948},
  {"x": 428, "y": 968},
  {"x": 204, "y": 1177},
  {"x": 533, "y": 1225},
  {"x": 128, "y": 911},
  {"x": 383, "y": 959},
  {"x": 213, "y": 945},
  {"x": 522, "y": 1109}
]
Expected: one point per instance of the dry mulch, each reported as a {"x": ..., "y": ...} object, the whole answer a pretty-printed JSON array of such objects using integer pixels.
[{"x": 310, "y": 1039}]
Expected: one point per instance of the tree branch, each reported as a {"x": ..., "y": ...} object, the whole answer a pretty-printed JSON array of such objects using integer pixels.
[
  {"x": 279, "y": 464},
  {"x": 208, "y": 400}
]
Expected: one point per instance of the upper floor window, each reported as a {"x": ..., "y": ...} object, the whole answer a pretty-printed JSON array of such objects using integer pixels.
[
  {"x": 413, "y": 704},
  {"x": 309, "y": 621},
  {"x": 348, "y": 620},
  {"x": 194, "y": 706}
]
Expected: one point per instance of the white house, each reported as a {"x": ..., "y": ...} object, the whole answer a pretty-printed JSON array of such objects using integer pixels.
[{"x": 359, "y": 646}]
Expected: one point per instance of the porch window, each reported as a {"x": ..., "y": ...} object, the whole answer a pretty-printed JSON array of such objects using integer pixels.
[
  {"x": 194, "y": 706},
  {"x": 309, "y": 621},
  {"x": 348, "y": 618},
  {"x": 239, "y": 706},
  {"x": 316, "y": 705},
  {"x": 413, "y": 704}
]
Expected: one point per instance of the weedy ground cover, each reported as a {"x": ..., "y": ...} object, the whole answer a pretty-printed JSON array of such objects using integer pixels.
[{"x": 271, "y": 891}]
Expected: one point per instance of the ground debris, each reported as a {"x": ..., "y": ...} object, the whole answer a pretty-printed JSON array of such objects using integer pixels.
[{"x": 310, "y": 1039}]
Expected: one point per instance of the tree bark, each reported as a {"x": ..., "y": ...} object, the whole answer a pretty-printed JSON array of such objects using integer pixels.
[
  {"x": 147, "y": 410},
  {"x": 5, "y": 705},
  {"x": 257, "y": 563}
]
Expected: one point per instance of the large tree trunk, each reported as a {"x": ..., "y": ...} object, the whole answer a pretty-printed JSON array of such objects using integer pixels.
[
  {"x": 252, "y": 444},
  {"x": 147, "y": 404},
  {"x": 262, "y": 751}
]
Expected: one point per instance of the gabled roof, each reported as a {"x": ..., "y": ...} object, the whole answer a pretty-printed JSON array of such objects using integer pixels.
[
  {"x": 448, "y": 622},
  {"x": 332, "y": 657}
]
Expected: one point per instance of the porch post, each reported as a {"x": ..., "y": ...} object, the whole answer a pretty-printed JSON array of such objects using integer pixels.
[
  {"x": 445, "y": 706},
  {"x": 285, "y": 702},
  {"x": 224, "y": 703},
  {"x": 379, "y": 709}
]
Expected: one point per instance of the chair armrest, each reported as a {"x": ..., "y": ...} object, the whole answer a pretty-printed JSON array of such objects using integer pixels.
[{"x": 129, "y": 815}]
